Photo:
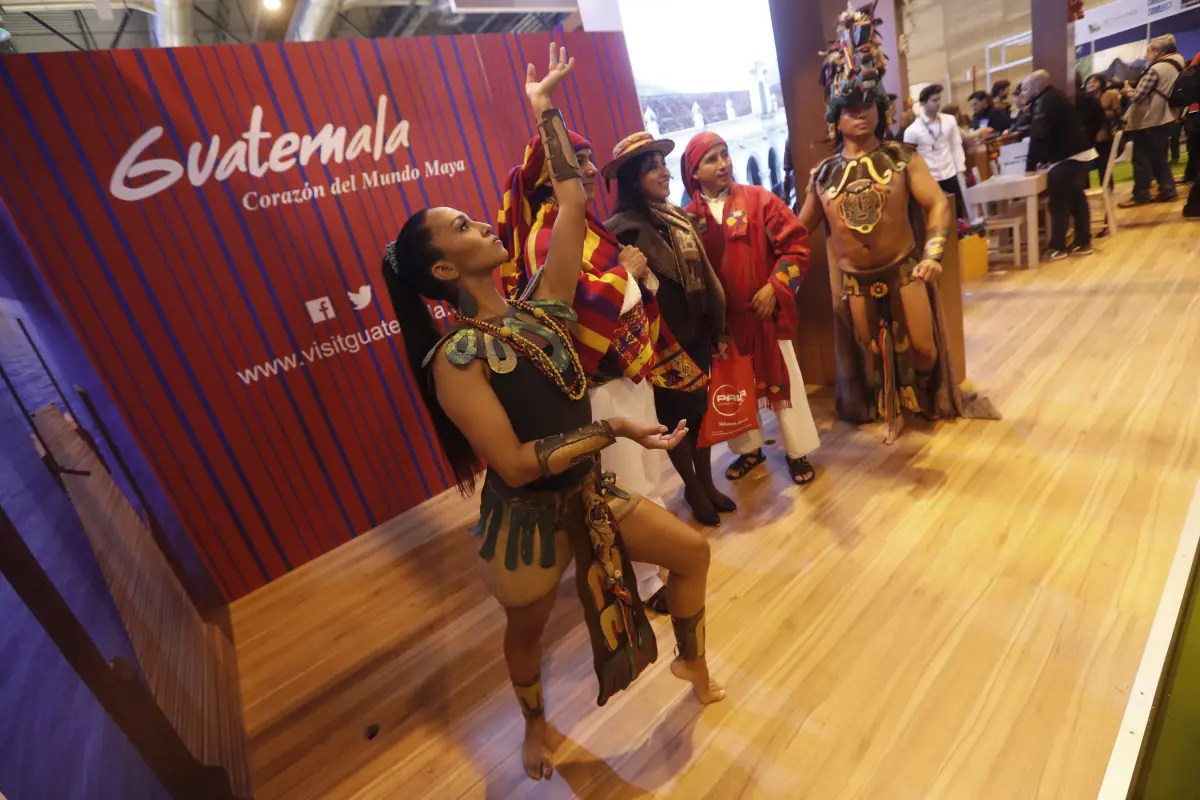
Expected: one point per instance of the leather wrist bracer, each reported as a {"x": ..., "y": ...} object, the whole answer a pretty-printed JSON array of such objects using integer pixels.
[
  {"x": 557, "y": 454},
  {"x": 560, "y": 155}
]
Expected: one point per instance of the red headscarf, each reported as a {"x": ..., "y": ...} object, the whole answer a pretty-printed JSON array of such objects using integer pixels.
[{"x": 693, "y": 154}]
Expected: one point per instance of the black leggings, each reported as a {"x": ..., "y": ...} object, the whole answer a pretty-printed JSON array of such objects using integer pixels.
[{"x": 1067, "y": 184}]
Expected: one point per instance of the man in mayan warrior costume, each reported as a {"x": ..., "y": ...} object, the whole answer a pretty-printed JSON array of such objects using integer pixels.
[{"x": 892, "y": 350}]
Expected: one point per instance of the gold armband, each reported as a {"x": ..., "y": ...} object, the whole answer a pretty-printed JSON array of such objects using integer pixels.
[
  {"x": 935, "y": 246},
  {"x": 560, "y": 155},
  {"x": 557, "y": 454}
]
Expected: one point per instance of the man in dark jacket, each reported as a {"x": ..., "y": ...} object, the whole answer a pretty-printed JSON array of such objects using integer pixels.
[
  {"x": 1057, "y": 143},
  {"x": 988, "y": 115}
]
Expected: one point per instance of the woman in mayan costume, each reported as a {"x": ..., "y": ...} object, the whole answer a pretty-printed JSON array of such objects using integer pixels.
[
  {"x": 506, "y": 387},
  {"x": 623, "y": 344},
  {"x": 892, "y": 350}
]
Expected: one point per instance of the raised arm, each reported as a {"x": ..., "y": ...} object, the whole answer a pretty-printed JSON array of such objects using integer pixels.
[
  {"x": 561, "y": 270},
  {"x": 466, "y": 396},
  {"x": 926, "y": 191}
]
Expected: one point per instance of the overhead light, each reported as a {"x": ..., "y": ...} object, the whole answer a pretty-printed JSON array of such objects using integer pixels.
[{"x": 272, "y": 5}]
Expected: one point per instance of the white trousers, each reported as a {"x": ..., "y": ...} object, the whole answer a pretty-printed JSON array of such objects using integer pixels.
[
  {"x": 638, "y": 470},
  {"x": 796, "y": 424}
]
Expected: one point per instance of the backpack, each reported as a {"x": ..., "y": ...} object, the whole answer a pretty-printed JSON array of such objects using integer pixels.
[{"x": 1186, "y": 89}]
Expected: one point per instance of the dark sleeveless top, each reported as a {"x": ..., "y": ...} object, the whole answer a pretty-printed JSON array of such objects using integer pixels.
[{"x": 535, "y": 405}]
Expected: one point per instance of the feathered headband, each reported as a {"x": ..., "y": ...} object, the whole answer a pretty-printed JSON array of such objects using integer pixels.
[{"x": 854, "y": 63}]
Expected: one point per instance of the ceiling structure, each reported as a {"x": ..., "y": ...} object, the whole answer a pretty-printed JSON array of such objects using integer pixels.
[{"x": 40, "y": 26}]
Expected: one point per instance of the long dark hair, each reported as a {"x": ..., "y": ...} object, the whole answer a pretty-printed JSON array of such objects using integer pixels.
[
  {"x": 629, "y": 186},
  {"x": 407, "y": 271}
]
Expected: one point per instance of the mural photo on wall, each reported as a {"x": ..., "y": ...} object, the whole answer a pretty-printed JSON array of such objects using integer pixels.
[{"x": 682, "y": 92}]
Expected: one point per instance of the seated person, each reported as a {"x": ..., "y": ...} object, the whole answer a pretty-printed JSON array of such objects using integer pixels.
[{"x": 989, "y": 118}]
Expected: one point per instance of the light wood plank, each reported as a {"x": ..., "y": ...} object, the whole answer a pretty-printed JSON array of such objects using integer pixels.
[{"x": 961, "y": 615}]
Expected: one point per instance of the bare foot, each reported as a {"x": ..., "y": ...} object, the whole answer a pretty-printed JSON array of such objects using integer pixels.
[
  {"x": 696, "y": 673},
  {"x": 535, "y": 751}
]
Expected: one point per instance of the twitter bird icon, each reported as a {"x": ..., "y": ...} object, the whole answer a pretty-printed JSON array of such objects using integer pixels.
[{"x": 361, "y": 299}]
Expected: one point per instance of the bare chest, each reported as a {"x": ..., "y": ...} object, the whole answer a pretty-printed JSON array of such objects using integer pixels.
[{"x": 864, "y": 204}]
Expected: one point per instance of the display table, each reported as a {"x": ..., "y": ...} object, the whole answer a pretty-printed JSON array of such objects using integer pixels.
[{"x": 1003, "y": 188}]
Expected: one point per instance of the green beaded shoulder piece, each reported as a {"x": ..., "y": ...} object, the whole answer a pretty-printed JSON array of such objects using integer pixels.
[
  {"x": 558, "y": 309},
  {"x": 463, "y": 345}
]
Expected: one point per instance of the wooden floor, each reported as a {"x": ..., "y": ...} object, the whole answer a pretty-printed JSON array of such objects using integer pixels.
[{"x": 958, "y": 616}]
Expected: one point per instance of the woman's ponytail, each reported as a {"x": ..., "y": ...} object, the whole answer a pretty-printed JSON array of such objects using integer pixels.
[{"x": 407, "y": 272}]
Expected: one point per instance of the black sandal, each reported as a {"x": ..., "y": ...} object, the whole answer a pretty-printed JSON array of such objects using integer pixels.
[
  {"x": 802, "y": 471},
  {"x": 744, "y": 465},
  {"x": 658, "y": 602}
]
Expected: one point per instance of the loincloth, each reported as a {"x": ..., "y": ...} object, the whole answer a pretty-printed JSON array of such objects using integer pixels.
[
  {"x": 529, "y": 539},
  {"x": 878, "y": 379}
]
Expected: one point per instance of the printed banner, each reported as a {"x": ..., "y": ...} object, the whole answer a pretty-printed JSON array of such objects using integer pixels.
[
  {"x": 213, "y": 222},
  {"x": 1121, "y": 15}
]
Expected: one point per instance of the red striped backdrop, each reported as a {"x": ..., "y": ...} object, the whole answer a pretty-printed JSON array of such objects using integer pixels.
[{"x": 175, "y": 294}]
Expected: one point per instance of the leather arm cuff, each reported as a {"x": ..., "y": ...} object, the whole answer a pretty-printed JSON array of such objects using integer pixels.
[
  {"x": 560, "y": 155},
  {"x": 557, "y": 454}
]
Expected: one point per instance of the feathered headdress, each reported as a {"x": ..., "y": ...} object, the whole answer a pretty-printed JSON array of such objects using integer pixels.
[{"x": 854, "y": 63}]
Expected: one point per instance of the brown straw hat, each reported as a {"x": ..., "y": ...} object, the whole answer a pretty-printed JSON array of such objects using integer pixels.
[{"x": 633, "y": 145}]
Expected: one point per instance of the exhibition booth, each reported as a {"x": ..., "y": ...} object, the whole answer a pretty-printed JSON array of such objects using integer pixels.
[{"x": 206, "y": 389}]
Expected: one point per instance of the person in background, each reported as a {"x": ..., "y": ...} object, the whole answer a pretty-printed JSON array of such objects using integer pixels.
[
  {"x": 962, "y": 118},
  {"x": 1057, "y": 143},
  {"x": 939, "y": 141},
  {"x": 760, "y": 251},
  {"x": 989, "y": 119},
  {"x": 1023, "y": 118},
  {"x": 1151, "y": 121},
  {"x": 690, "y": 297},
  {"x": 1001, "y": 95},
  {"x": 1191, "y": 209},
  {"x": 1191, "y": 126},
  {"x": 890, "y": 134},
  {"x": 1100, "y": 110}
]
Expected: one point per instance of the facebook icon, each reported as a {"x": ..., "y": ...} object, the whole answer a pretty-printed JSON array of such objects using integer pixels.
[{"x": 320, "y": 309}]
